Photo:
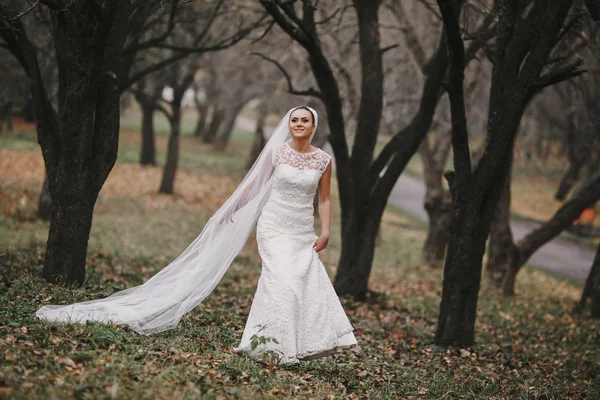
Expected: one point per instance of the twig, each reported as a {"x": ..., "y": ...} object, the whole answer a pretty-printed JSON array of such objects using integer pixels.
[{"x": 309, "y": 92}]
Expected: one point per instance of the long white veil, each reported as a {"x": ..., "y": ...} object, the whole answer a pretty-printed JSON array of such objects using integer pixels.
[{"x": 159, "y": 303}]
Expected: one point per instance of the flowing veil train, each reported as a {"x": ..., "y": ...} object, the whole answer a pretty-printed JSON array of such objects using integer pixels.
[{"x": 159, "y": 303}]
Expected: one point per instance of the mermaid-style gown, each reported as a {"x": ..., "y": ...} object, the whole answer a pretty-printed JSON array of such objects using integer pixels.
[{"x": 295, "y": 308}]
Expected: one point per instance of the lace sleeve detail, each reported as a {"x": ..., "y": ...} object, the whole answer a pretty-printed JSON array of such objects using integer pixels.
[
  {"x": 325, "y": 159},
  {"x": 275, "y": 155}
]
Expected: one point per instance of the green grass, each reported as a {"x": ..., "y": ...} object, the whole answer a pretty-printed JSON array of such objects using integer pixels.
[
  {"x": 528, "y": 347},
  {"x": 20, "y": 141}
]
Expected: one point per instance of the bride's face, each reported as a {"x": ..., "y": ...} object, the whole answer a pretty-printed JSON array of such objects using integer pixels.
[{"x": 301, "y": 124}]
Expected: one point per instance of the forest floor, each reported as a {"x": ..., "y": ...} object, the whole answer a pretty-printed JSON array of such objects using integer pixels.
[{"x": 527, "y": 347}]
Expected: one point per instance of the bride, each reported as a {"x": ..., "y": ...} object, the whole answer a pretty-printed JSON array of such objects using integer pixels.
[{"x": 295, "y": 314}]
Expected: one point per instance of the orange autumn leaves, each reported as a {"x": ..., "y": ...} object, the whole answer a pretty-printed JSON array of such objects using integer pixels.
[{"x": 24, "y": 171}]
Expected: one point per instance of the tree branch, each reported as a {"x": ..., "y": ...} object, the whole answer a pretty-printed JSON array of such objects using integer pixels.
[
  {"x": 456, "y": 55},
  {"x": 290, "y": 26},
  {"x": 562, "y": 219},
  {"x": 21, "y": 13},
  {"x": 559, "y": 75},
  {"x": 156, "y": 40},
  {"x": 309, "y": 92}
]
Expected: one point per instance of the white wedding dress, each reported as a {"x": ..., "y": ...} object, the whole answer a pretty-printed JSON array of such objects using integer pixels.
[{"x": 296, "y": 313}]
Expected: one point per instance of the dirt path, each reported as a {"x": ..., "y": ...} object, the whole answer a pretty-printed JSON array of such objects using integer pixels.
[{"x": 560, "y": 256}]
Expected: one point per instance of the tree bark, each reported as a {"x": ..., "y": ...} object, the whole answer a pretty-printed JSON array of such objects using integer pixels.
[
  {"x": 438, "y": 206},
  {"x": 70, "y": 226},
  {"x": 578, "y": 154},
  {"x": 148, "y": 151},
  {"x": 213, "y": 129},
  {"x": 568, "y": 180},
  {"x": 229, "y": 123},
  {"x": 45, "y": 201},
  {"x": 168, "y": 179},
  {"x": 437, "y": 203},
  {"x": 78, "y": 167},
  {"x": 358, "y": 250},
  {"x": 475, "y": 193},
  {"x": 259, "y": 135},
  {"x": 361, "y": 220},
  {"x": 202, "y": 118},
  {"x": 591, "y": 290},
  {"x": 501, "y": 239},
  {"x": 6, "y": 116},
  {"x": 353, "y": 279}
]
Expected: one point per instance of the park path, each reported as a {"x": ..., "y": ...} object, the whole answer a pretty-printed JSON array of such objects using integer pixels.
[{"x": 560, "y": 256}]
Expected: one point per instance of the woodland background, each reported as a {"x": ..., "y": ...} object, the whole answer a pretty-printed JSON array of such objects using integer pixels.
[{"x": 125, "y": 125}]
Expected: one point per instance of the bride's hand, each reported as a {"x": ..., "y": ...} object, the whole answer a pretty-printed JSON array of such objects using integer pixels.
[{"x": 321, "y": 242}]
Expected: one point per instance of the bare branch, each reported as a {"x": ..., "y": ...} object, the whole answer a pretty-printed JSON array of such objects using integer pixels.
[
  {"x": 20, "y": 13},
  {"x": 388, "y": 48},
  {"x": 309, "y": 92},
  {"x": 560, "y": 74},
  {"x": 431, "y": 8},
  {"x": 290, "y": 26},
  {"x": 410, "y": 37},
  {"x": 158, "y": 39},
  {"x": 265, "y": 33}
]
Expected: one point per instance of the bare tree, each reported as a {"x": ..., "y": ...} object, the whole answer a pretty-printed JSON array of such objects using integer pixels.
[
  {"x": 259, "y": 133},
  {"x": 179, "y": 78},
  {"x": 591, "y": 290},
  {"x": 148, "y": 93},
  {"x": 521, "y": 52},
  {"x": 80, "y": 149},
  {"x": 505, "y": 258},
  {"x": 365, "y": 181}
]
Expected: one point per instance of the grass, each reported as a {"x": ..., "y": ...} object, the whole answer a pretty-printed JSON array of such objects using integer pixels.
[{"x": 528, "y": 347}]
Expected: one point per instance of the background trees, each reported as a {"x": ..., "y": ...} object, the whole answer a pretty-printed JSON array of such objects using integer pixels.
[
  {"x": 377, "y": 71},
  {"x": 79, "y": 143}
]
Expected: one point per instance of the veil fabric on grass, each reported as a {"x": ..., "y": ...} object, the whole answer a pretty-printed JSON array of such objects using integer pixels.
[{"x": 158, "y": 304}]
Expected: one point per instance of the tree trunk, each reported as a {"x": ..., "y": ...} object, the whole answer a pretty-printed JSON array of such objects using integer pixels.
[
  {"x": 353, "y": 273},
  {"x": 88, "y": 98},
  {"x": 568, "y": 180},
  {"x": 578, "y": 154},
  {"x": 358, "y": 249},
  {"x": 6, "y": 116},
  {"x": 223, "y": 139},
  {"x": 438, "y": 207},
  {"x": 45, "y": 201},
  {"x": 259, "y": 135},
  {"x": 361, "y": 215},
  {"x": 462, "y": 277},
  {"x": 473, "y": 200},
  {"x": 213, "y": 129},
  {"x": 501, "y": 240},
  {"x": 591, "y": 290},
  {"x": 70, "y": 226},
  {"x": 168, "y": 179},
  {"x": 148, "y": 150},
  {"x": 476, "y": 193},
  {"x": 201, "y": 124},
  {"x": 438, "y": 203}
]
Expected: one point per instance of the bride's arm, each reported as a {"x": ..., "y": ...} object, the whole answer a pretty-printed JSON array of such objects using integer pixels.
[{"x": 324, "y": 209}]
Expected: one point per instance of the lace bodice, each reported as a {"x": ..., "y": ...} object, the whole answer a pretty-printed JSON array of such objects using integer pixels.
[
  {"x": 289, "y": 209},
  {"x": 316, "y": 160}
]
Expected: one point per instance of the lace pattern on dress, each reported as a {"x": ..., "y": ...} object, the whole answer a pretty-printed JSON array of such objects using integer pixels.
[{"x": 317, "y": 160}]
